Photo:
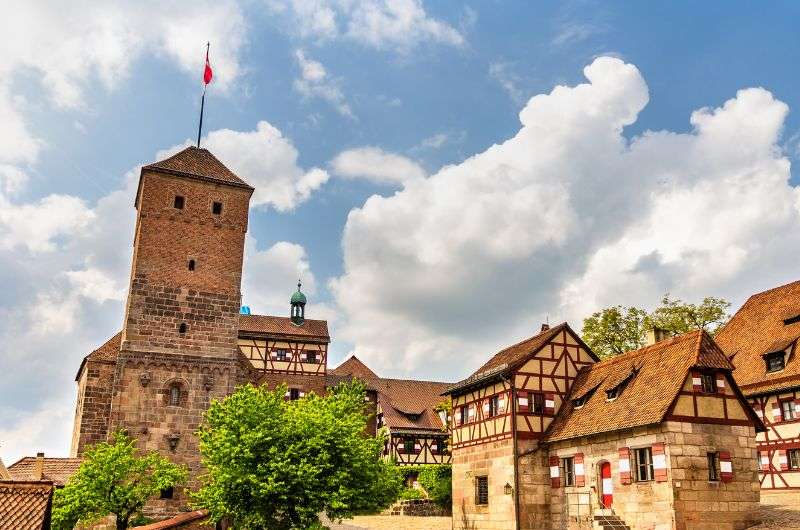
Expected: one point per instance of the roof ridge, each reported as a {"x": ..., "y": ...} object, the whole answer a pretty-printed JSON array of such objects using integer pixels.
[
  {"x": 548, "y": 330},
  {"x": 648, "y": 348},
  {"x": 415, "y": 380}
]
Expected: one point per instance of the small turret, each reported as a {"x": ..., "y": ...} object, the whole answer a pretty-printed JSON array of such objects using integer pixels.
[{"x": 298, "y": 302}]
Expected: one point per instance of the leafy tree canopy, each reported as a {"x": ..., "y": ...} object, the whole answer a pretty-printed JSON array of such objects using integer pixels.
[
  {"x": 278, "y": 464},
  {"x": 618, "y": 329},
  {"x": 114, "y": 478}
]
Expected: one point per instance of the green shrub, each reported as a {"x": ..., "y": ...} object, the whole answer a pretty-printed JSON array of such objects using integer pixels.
[
  {"x": 408, "y": 494},
  {"x": 438, "y": 482}
]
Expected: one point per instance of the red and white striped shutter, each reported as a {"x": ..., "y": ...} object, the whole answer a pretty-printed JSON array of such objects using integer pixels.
[
  {"x": 697, "y": 382},
  {"x": 486, "y": 406},
  {"x": 555, "y": 480},
  {"x": 776, "y": 411},
  {"x": 624, "y": 465},
  {"x": 522, "y": 402},
  {"x": 457, "y": 416},
  {"x": 301, "y": 394},
  {"x": 797, "y": 408},
  {"x": 725, "y": 466},
  {"x": 471, "y": 412},
  {"x": 764, "y": 459},
  {"x": 659, "y": 462},
  {"x": 580, "y": 473},
  {"x": 501, "y": 404},
  {"x": 287, "y": 395},
  {"x": 549, "y": 403},
  {"x": 720, "y": 383},
  {"x": 417, "y": 447},
  {"x": 783, "y": 460},
  {"x": 759, "y": 410},
  {"x": 434, "y": 447},
  {"x": 273, "y": 354}
]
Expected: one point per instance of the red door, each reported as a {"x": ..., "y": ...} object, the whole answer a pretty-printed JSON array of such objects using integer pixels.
[{"x": 606, "y": 485}]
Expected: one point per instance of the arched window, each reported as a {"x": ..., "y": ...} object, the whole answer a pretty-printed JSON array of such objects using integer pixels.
[{"x": 174, "y": 395}]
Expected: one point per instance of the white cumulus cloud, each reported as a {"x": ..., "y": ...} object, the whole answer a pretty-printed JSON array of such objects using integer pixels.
[
  {"x": 376, "y": 165},
  {"x": 314, "y": 82}
]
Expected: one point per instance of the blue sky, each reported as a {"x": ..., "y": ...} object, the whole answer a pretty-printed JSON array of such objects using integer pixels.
[{"x": 422, "y": 271}]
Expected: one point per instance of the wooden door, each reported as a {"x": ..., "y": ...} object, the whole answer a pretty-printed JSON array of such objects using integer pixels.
[{"x": 606, "y": 485}]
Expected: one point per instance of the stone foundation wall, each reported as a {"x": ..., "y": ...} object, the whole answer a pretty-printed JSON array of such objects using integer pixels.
[
  {"x": 417, "y": 508},
  {"x": 534, "y": 486},
  {"x": 494, "y": 460}
]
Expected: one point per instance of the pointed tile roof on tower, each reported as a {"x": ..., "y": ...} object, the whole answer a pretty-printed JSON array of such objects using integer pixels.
[{"x": 196, "y": 162}]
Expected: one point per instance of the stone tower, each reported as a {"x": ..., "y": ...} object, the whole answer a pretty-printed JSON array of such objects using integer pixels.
[{"x": 178, "y": 347}]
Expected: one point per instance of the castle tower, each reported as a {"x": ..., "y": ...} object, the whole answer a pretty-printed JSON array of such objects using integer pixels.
[{"x": 178, "y": 347}]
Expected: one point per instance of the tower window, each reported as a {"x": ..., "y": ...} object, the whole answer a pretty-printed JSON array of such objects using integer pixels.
[
  {"x": 216, "y": 208},
  {"x": 179, "y": 201},
  {"x": 191, "y": 264},
  {"x": 182, "y": 328},
  {"x": 174, "y": 395}
]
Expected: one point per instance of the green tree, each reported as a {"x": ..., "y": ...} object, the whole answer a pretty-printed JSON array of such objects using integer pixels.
[
  {"x": 677, "y": 316},
  {"x": 615, "y": 330},
  {"x": 114, "y": 478},
  {"x": 278, "y": 464},
  {"x": 618, "y": 329}
]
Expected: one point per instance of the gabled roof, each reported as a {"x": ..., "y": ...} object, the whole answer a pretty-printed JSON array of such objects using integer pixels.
[
  {"x": 196, "y": 162},
  {"x": 25, "y": 505},
  {"x": 106, "y": 353},
  {"x": 660, "y": 372},
  {"x": 405, "y": 403},
  {"x": 56, "y": 470},
  {"x": 271, "y": 325},
  {"x": 759, "y": 327},
  {"x": 510, "y": 358}
]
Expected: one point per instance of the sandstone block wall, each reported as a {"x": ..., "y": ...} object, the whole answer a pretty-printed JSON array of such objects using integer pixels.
[
  {"x": 93, "y": 408},
  {"x": 496, "y": 461},
  {"x": 534, "y": 486}
]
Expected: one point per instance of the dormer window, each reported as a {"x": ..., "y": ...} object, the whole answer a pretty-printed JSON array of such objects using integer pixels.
[
  {"x": 581, "y": 400},
  {"x": 776, "y": 361},
  {"x": 709, "y": 383},
  {"x": 791, "y": 320},
  {"x": 612, "y": 393}
]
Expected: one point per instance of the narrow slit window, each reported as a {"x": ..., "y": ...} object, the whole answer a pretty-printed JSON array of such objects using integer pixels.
[
  {"x": 179, "y": 202},
  {"x": 713, "y": 466},
  {"x": 191, "y": 264},
  {"x": 216, "y": 208},
  {"x": 182, "y": 328},
  {"x": 174, "y": 395}
]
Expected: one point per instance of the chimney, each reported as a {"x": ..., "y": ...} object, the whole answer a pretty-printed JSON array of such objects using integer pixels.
[
  {"x": 656, "y": 335},
  {"x": 38, "y": 468},
  {"x": 545, "y": 327}
]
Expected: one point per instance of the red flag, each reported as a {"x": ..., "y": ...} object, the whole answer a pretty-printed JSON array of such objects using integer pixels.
[{"x": 207, "y": 74}]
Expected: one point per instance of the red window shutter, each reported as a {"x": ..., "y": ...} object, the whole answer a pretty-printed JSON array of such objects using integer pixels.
[
  {"x": 764, "y": 460},
  {"x": 501, "y": 404},
  {"x": 580, "y": 473},
  {"x": 697, "y": 382},
  {"x": 555, "y": 479},
  {"x": 720, "y": 383},
  {"x": 549, "y": 403},
  {"x": 457, "y": 416},
  {"x": 783, "y": 459},
  {"x": 523, "y": 402},
  {"x": 659, "y": 462},
  {"x": 776, "y": 412},
  {"x": 797, "y": 408},
  {"x": 624, "y": 465},
  {"x": 725, "y": 466},
  {"x": 486, "y": 408}
]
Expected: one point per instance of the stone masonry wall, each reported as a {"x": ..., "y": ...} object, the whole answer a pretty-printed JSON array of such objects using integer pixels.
[
  {"x": 93, "y": 406},
  {"x": 534, "y": 486},
  {"x": 496, "y": 461}
]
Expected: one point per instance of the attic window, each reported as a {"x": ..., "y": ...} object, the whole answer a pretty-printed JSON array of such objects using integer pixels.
[
  {"x": 613, "y": 393},
  {"x": 581, "y": 400},
  {"x": 775, "y": 361},
  {"x": 179, "y": 200},
  {"x": 216, "y": 208},
  {"x": 791, "y": 320}
]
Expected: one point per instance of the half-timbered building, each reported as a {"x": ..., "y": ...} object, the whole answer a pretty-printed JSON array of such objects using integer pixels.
[
  {"x": 762, "y": 342},
  {"x": 547, "y": 437},
  {"x": 407, "y": 410}
]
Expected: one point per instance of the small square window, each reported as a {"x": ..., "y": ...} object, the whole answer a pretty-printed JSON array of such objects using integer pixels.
[
  {"x": 408, "y": 446},
  {"x": 787, "y": 410},
  {"x": 311, "y": 357},
  {"x": 793, "y": 458},
  {"x": 481, "y": 490},
  {"x": 708, "y": 383},
  {"x": 775, "y": 362},
  {"x": 191, "y": 264},
  {"x": 494, "y": 405},
  {"x": 182, "y": 328},
  {"x": 281, "y": 355},
  {"x": 167, "y": 493},
  {"x": 713, "y": 466},
  {"x": 216, "y": 208},
  {"x": 537, "y": 403},
  {"x": 294, "y": 394},
  {"x": 568, "y": 471},
  {"x": 179, "y": 201}
]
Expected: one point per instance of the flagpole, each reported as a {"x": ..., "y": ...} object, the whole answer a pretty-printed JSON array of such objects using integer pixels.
[{"x": 203, "y": 100}]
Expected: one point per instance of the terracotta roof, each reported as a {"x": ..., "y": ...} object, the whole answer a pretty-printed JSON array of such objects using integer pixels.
[
  {"x": 106, "y": 353},
  {"x": 405, "y": 403},
  {"x": 508, "y": 359},
  {"x": 176, "y": 522},
  {"x": 199, "y": 163},
  {"x": 25, "y": 505},
  {"x": 757, "y": 328},
  {"x": 661, "y": 371},
  {"x": 270, "y": 325},
  {"x": 56, "y": 470}
]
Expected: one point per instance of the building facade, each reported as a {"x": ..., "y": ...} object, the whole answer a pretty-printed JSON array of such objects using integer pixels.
[
  {"x": 762, "y": 341},
  {"x": 547, "y": 437}
]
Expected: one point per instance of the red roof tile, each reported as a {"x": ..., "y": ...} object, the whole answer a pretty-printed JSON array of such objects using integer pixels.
[
  {"x": 25, "y": 505},
  {"x": 271, "y": 325},
  {"x": 199, "y": 163},
  {"x": 56, "y": 470},
  {"x": 757, "y": 328},
  {"x": 176, "y": 522},
  {"x": 661, "y": 371}
]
